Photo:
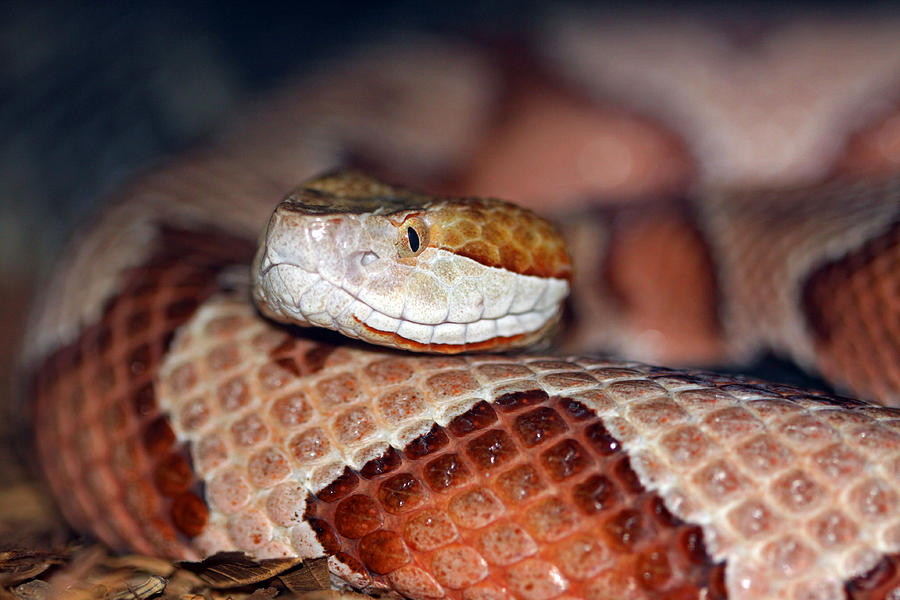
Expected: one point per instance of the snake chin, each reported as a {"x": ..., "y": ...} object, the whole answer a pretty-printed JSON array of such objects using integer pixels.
[{"x": 289, "y": 293}]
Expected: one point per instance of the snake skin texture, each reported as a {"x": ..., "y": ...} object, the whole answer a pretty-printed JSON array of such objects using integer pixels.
[
  {"x": 183, "y": 424},
  {"x": 171, "y": 419},
  {"x": 811, "y": 273},
  {"x": 467, "y": 477}
]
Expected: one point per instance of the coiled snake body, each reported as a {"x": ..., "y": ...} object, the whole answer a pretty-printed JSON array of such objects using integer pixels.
[{"x": 173, "y": 419}]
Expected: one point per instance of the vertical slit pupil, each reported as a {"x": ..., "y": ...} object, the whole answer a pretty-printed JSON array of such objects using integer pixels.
[{"x": 413, "y": 239}]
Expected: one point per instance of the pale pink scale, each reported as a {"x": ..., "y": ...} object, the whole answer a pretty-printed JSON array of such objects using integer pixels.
[
  {"x": 229, "y": 490},
  {"x": 286, "y": 504},
  {"x": 251, "y": 529},
  {"x": 458, "y": 566},
  {"x": 268, "y": 467}
]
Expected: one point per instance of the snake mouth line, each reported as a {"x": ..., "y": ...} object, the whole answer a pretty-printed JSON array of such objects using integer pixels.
[
  {"x": 349, "y": 313},
  {"x": 488, "y": 344}
]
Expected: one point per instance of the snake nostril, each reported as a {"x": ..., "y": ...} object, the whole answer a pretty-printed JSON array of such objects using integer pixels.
[{"x": 367, "y": 258}]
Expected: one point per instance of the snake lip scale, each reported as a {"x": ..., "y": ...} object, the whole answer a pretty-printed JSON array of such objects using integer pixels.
[{"x": 180, "y": 422}]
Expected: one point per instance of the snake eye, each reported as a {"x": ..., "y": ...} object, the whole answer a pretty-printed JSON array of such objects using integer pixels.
[{"x": 413, "y": 237}]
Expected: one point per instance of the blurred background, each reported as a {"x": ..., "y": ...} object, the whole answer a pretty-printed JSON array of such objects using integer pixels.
[{"x": 557, "y": 105}]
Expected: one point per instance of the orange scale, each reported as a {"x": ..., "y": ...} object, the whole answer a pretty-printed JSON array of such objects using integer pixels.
[
  {"x": 478, "y": 417},
  {"x": 486, "y": 591},
  {"x": 458, "y": 566},
  {"x": 582, "y": 556},
  {"x": 429, "y": 530},
  {"x": 519, "y": 483},
  {"x": 505, "y": 544},
  {"x": 475, "y": 508},
  {"x": 535, "y": 579},
  {"x": 537, "y": 426},
  {"x": 414, "y": 582}
]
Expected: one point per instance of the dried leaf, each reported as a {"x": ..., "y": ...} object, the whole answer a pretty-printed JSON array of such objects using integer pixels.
[
  {"x": 309, "y": 576},
  {"x": 17, "y": 566},
  {"x": 235, "y": 569}
]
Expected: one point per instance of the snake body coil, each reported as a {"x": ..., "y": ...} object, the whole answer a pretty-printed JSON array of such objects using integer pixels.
[
  {"x": 173, "y": 419},
  {"x": 183, "y": 424}
]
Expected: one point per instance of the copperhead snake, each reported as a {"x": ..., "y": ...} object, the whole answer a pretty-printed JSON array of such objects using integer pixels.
[{"x": 173, "y": 419}]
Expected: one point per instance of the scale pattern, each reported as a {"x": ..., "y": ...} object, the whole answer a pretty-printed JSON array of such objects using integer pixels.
[
  {"x": 853, "y": 308},
  {"x": 107, "y": 449},
  {"x": 773, "y": 251},
  {"x": 796, "y": 492}
]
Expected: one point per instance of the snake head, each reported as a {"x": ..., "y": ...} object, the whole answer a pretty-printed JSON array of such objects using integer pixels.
[{"x": 398, "y": 268}]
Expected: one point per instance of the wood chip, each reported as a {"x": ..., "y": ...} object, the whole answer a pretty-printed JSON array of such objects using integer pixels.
[
  {"x": 236, "y": 569},
  {"x": 145, "y": 588},
  {"x": 309, "y": 576}
]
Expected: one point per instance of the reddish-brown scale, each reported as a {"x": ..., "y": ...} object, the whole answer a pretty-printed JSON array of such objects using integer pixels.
[
  {"x": 426, "y": 444},
  {"x": 345, "y": 483},
  {"x": 134, "y": 486},
  {"x": 852, "y": 310},
  {"x": 386, "y": 463},
  {"x": 530, "y": 496}
]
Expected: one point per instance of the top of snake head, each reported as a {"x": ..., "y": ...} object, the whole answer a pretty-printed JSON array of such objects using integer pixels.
[{"x": 399, "y": 268}]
